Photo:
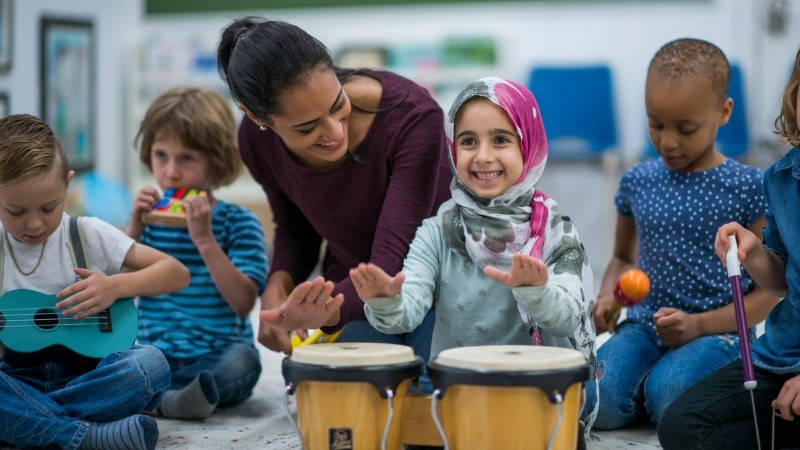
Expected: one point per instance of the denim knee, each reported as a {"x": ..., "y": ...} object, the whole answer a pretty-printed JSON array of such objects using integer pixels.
[
  {"x": 616, "y": 407},
  {"x": 154, "y": 369},
  {"x": 241, "y": 370},
  {"x": 659, "y": 394},
  {"x": 239, "y": 360},
  {"x": 613, "y": 413}
]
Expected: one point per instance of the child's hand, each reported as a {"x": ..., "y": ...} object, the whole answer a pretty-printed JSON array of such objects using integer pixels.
[
  {"x": 525, "y": 271},
  {"x": 310, "y": 305},
  {"x": 371, "y": 281},
  {"x": 146, "y": 198},
  {"x": 745, "y": 239},
  {"x": 788, "y": 401},
  {"x": 198, "y": 218},
  {"x": 604, "y": 313},
  {"x": 675, "y": 327},
  {"x": 87, "y": 297}
]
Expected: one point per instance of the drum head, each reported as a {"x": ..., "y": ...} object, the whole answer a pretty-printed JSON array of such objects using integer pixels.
[
  {"x": 510, "y": 358},
  {"x": 353, "y": 354}
]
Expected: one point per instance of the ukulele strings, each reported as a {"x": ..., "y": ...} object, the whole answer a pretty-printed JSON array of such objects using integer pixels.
[
  {"x": 29, "y": 316},
  {"x": 24, "y": 309},
  {"x": 60, "y": 325}
]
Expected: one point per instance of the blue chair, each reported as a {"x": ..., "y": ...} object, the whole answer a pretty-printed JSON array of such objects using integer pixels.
[
  {"x": 577, "y": 105},
  {"x": 733, "y": 139}
]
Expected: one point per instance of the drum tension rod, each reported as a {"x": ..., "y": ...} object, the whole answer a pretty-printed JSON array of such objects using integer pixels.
[
  {"x": 558, "y": 400},
  {"x": 287, "y": 394}
]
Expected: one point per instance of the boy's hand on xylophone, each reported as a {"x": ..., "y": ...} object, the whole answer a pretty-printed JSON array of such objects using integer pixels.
[
  {"x": 788, "y": 401},
  {"x": 604, "y": 313},
  {"x": 371, "y": 281},
  {"x": 746, "y": 240},
  {"x": 675, "y": 327},
  {"x": 198, "y": 218},
  {"x": 145, "y": 199},
  {"x": 525, "y": 271},
  {"x": 310, "y": 305},
  {"x": 87, "y": 297}
]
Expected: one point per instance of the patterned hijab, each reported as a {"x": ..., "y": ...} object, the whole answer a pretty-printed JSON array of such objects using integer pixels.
[{"x": 490, "y": 231}]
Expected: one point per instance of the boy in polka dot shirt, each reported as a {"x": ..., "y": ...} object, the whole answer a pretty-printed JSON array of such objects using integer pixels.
[
  {"x": 717, "y": 413},
  {"x": 669, "y": 210}
]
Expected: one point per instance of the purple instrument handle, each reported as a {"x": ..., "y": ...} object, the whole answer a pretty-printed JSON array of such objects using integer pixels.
[{"x": 735, "y": 274}]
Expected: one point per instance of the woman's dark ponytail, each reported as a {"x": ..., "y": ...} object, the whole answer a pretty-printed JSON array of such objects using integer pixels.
[{"x": 261, "y": 59}]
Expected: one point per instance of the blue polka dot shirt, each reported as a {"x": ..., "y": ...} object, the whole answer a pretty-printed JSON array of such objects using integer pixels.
[{"x": 677, "y": 215}]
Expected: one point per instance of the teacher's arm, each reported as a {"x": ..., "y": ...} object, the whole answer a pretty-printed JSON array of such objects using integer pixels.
[{"x": 418, "y": 180}]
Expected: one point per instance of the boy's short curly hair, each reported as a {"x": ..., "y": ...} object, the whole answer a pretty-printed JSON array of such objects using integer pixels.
[
  {"x": 28, "y": 148},
  {"x": 688, "y": 57},
  {"x": 786, "y": 122},
  {"x": 202, "y": 119}
]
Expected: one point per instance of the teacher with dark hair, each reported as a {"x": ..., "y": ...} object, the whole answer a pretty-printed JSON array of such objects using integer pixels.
[{"x": 355, "y": 157}]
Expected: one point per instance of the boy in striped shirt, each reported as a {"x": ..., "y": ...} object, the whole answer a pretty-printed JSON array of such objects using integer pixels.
[{"x": 187, "y": 139}]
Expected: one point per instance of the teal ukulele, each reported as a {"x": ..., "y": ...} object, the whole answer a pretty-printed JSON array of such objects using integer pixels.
[{"x": 29, "y": 321}]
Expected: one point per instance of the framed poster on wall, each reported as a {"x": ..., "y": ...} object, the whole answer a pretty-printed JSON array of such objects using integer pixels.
[
  {"x": 6, "y": 34},
  {"x": 5, "y": 105},
  {"x": 67, "y": 86}
]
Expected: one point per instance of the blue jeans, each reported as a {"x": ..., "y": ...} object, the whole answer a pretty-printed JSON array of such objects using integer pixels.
[
  {"x": 236, "y": 370},
  {"x": 47, "y": 405},
  {"x": 591, "y": 398},
  {"x": 419, "y": 339},
  {"x": 637, "y": 374}
]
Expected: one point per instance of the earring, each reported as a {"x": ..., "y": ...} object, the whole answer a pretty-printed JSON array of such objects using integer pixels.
[{"x": 262, "y": 128}]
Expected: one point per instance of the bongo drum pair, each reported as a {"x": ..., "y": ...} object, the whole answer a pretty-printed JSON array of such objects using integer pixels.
[{"x": 352, "y": 395}]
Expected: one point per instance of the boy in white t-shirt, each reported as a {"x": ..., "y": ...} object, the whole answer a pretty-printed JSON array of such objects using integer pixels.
[{"x": 55, "y": 397}]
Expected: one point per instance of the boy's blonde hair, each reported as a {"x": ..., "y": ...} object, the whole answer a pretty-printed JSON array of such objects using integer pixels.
[
  {"x": 28, "y": 148},
  {"x": 786, "y": 122},
  {"x": 203, "y": 121}
]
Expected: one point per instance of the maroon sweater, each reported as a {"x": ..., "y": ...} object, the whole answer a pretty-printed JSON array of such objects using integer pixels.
[{"x": 367, "y": 210}]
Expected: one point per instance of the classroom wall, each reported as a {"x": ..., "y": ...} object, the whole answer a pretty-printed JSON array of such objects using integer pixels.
[
  {"x": 117, "y": 28},
  {"x": 623, "y": 35}
]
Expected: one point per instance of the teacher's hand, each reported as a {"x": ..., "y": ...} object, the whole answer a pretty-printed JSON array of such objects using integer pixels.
[
  {"x": 275, "y": 339},
  {"x": 310, "y": 305}
]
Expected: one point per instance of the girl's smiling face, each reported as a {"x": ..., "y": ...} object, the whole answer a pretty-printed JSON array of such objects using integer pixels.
[{"x": 488, "y": 154}]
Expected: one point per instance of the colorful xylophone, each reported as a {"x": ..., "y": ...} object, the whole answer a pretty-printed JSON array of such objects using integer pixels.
[{"x": 169, "y": 211}]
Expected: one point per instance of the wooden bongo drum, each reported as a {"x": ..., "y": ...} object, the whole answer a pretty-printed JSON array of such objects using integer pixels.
[
  {"x": 350, "y": 395},
  {"x": 508, "y": 396}
]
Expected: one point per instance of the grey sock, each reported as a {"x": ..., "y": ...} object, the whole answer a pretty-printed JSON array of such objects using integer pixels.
[
  {"x": 137, "y": 432},
  {"x": 195, "y": 401}
]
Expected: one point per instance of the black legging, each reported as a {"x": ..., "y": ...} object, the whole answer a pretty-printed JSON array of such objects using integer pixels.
[{"x": 716, "y": 413}]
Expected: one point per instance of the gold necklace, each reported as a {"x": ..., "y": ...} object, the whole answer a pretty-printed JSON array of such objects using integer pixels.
[{"x": 14, "y": 258}]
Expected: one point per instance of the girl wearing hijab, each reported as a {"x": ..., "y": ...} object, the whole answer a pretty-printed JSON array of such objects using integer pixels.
[{"x": 498, "y": 261}]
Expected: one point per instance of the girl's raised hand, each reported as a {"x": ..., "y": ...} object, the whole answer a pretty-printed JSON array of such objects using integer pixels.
[
  {"x": 371, "y": 281},
  {"x": 525, "y": 271},
  {"x": 745, "y": 239}
]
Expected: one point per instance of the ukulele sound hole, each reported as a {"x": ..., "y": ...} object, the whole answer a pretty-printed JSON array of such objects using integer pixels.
[
  {"x": 2, "y": 321},
  {"x": 45, "y": 318}
]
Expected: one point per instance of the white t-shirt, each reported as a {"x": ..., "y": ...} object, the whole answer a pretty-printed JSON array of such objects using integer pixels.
[{"x": 105, "y": 246}]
